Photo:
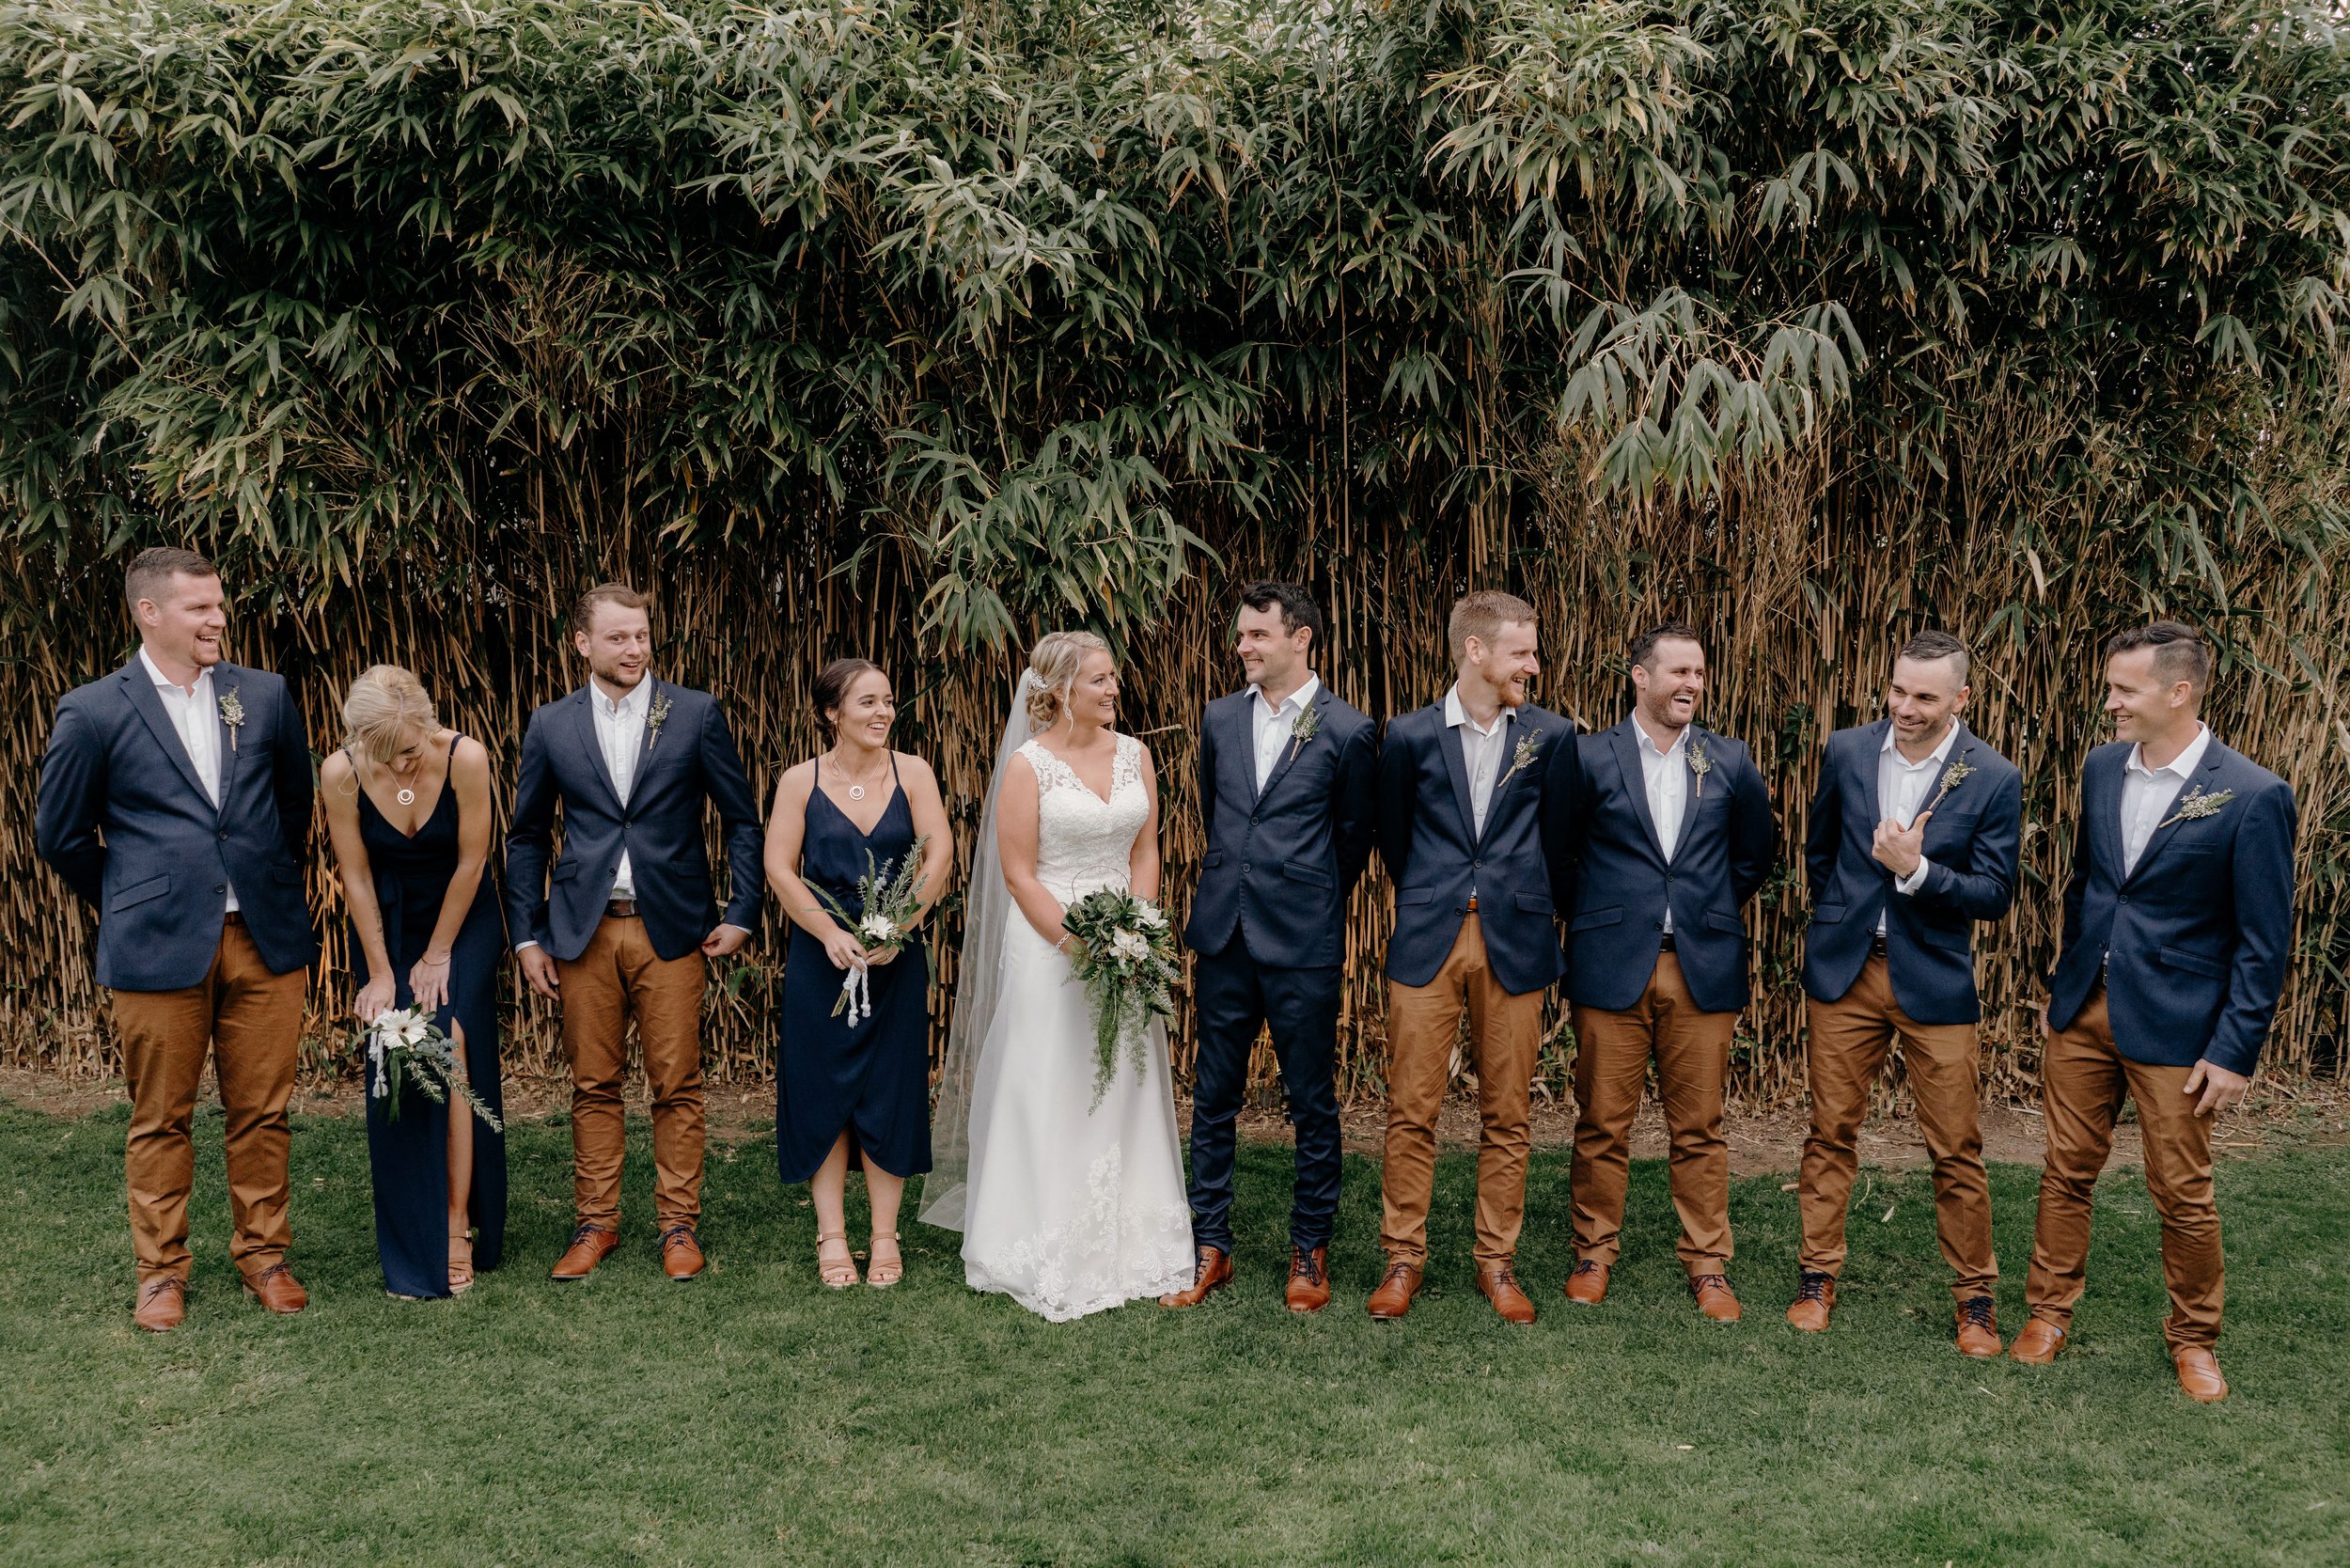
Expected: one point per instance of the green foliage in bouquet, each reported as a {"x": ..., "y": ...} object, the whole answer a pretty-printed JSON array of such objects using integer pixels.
[
  {"x": 404, "y": 1047},
  {"x": 1127, "y": 961},
  {"x": 889, "y": 901}
]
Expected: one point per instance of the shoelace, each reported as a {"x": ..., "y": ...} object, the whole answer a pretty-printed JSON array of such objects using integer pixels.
[
  {"x": 1505, "y": 1275},
  {"x": 1301, "y": 1266},
  {"x": 583, "y": 1232},
  {"x": 1589, "y": 1265},
  {"x": 271, "y": 1272},
  {"x": 1814, "y": 1287},
  {"x": 669, "y": 1238},
  {"x": 1719, "y": 1281},
  {"x": 159, "y": 1286},
  {"x": 1977, "y": 1311}
]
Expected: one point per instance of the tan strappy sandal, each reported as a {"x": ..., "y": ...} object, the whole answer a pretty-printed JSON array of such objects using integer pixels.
[
  {"x": 461, "y": 1267},
  {"x": 839, "y": 1276},
  {"x": 879, "y": 1274}
]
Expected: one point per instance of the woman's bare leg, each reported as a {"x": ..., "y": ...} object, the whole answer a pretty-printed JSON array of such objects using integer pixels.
[
  {"x": 835, "y": 1263},
  {"x": 888, "y": 1266},
  {"x": 460, "y": 1174}
]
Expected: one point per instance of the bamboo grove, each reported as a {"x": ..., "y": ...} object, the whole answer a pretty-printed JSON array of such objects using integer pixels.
[{"x": 914, "y": 329}]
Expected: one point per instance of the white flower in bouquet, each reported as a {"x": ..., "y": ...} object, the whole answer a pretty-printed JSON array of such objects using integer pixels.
[
  {"x": 1150, "y": 916},
  {"x": 877, "y": 930},
  {"x": 404, "y": 1047},
  {"x": 1125, "y": 957},
  {"x": 1130, "y": 945}
]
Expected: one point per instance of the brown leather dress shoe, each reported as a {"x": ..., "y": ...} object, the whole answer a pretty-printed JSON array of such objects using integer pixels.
[
  {"x": 2199, "y": 1375},
  {"x": 591, "y": 1246},
  {"x": 276, "y": 1289},
  {"x": 1210, "y": 1272},
  {"x": 681, "y": 1254},
  {"x": 1714, "y": 1298},
  {"x": 1587, "y": 1283},
  {"x": 1309, "y": 1289},
  {"x": 163, "y": 1304},
  {"x": 2037, "y": 1345},
  {"x": 1977, "y": 1328},
  {"x": 1815, "y": 1300},
  {"x": 1499, "y": 1283},
  {"x": 1393, "y": 1298}
]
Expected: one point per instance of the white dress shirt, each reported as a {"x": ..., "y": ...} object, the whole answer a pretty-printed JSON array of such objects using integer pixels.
[
  {"x": 2148, "y": 794},
  {"x": 196, "y": 715},
  {"x": 1274, "y": 725},
  {"x": 1666, "y": 776},
  {"x": 1901, "y": 794},
  {"x": 1481, "y": 750},
  {"x": 620, "y": 733}
]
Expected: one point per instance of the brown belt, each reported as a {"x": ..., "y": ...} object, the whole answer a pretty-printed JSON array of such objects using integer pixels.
[
  {"x": 621, "y": 909},
  {"x": 1472, "y": 904},
  {"x": 1876, "y": 945},
  {"x": 232, "y": 917}
]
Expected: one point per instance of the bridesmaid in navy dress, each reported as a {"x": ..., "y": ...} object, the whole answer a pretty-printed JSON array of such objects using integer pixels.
[
  {"x": 857, "y": 1091},
  {"x": 408, "y": 807}
]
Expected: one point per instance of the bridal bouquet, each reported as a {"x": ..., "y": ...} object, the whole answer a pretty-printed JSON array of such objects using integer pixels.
[
  {"x": 1129, "y": 967},
  {"x": 889, "y": 901},
  {"x": 405, "y": 1046}
]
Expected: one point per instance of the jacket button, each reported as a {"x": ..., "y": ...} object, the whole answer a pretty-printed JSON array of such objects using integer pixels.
[
  {"x": 220, "y": 887},
  {"x": 1244, "y": 868},
  {"x": 1658, "y": 924},
  {"x": 2125, "y": 898},
  {"x": 224, "y": 835}
]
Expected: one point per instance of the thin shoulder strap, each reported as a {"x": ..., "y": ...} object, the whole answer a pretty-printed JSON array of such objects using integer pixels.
[{"x": 893, "y": 768}]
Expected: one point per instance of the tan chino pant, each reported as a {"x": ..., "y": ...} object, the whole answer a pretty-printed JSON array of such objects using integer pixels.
[
  {"x": 1505, "y": 1038},
  {"x": 1850, "y": 1039},
  {"x": 620, "y": 976},
  {"x": 250, "y": 1022},
  {"x": 1612, "y": 1052},
  {"x": 2083, "y": 1081}
]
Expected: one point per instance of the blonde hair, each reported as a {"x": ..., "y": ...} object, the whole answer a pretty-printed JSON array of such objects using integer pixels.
[
  {"x": 383, "y": 704},
  {"x": 1482, "y": 615},
  {"x": 1053, "y": 666}
]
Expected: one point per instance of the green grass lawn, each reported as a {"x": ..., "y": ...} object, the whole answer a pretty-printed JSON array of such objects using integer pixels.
[{"x": 752, "y": 1417}]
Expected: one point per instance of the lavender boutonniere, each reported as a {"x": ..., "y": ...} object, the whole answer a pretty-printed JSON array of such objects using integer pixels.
[
  {"x": 1952, "y": 776},
  {"x": 1522, "y": 757},
  {"x": 654, "y": 717},
  {"x": 2195, "y": 805},
  {"x": 1700, "y": 763},
  {"x": 1307, "y": 726},
  {"x": 233, "y": 714}
]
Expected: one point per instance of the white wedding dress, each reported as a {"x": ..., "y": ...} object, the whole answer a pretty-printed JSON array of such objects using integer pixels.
[{"x": 1071, "y": 1208}]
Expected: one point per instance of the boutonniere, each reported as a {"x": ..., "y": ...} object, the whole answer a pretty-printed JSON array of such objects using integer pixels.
[
  {"x": 1522, "y": 757},
  {"x": 233, "y": 714},
  {"x": 654, "y": 717},
  {"x": 1307, "y": 724},
  {"x": 1952, "y": 776},
  {"x": 2196, "y": 806},
  {"x": 1699, "y": 763}
]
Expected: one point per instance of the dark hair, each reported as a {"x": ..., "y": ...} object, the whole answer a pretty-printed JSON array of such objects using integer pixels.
[
  {"x": 832, "y": 689},
  {"x": 584, "y": 608},
  {"x": 1298, "y": 609},
  {"x": 1640, "y": 650},
  {"x": 2180, "y": 652},
  {"x": 1926, "y": 647},
  {"x": 149, "y": 570}
]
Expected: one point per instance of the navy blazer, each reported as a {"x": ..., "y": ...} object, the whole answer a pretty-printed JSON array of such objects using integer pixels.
[
  {"x": 689, "y": 761},
  {"x": 1929, "y": 934},
  {"x": 1728, "y": 842},
  {"x": 1521, "y": 867},
  {"x": 124, "y": 820},
  {"x": 1280, "y": 863},
  {"x": 2194, "y": 942}
]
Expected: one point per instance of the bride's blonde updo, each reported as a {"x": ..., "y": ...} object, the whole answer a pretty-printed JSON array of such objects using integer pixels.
[
  {"x": 1054, "y": 665},
  {"x": 382, "y": 706}
]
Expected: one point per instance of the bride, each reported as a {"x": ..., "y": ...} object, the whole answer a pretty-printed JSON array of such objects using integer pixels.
[{"x": 1065, "y": 1206}]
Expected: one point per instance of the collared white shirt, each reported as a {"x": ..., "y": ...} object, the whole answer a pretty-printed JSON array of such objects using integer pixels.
[
  {"x": 1274, "y": 725},
  {"x": 1481, "y": 750},
  {"x": 620, "y": 733},
  {"x": 2148, "y": 794},
  {"x": 1901, "y": 794},
  {"x": 1666, "y": 776},
  {"x": 195, "y": 716}
]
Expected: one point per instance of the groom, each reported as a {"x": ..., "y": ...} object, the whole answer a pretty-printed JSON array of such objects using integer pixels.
[
  {"x": 1478, "y": 801},
  {"x": 626, "y": 924},
  {"x": 175, "y": 800},
  {"x": 1285, "y": 776}
]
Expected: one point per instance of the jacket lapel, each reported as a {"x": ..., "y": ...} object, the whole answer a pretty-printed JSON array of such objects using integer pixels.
[
  {"x": 1236, "y": 749},
  {"x": 584, "y": 718},
  {"x": 644, "y": 741},
  {"x": 2205, "y": 773},
  {"x": 1289, "y": 749},
  {"x": 1626, "y": 746},
  {"x": 1448, "y": 741},
  {"x": 225, "y": 739},
  {"x": 1961, "y": 744},
  {"x": 150, "y": 708},
  {"x": 2101, "y": 806}
]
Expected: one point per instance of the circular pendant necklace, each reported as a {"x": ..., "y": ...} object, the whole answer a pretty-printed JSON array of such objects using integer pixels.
[
  {"x": 406, "y": 797},
  {"x": 856, "y": 790}
]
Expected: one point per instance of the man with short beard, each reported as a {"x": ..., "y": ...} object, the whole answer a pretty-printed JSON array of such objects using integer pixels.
[
  {"x": 1913, "y": 839},
  {"x": 175, "y": 800},
  {"x": 2177, "y": 920},
  {"x": 1677, "y": 836},
  {"x": 626, "y": 924}
]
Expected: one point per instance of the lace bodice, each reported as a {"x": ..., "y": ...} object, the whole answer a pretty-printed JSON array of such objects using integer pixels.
[{"x": 1083, "y": 842}]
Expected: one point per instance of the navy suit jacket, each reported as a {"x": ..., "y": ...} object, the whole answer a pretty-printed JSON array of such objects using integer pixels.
[
  {"x": 124, "y": 820},
  {"x": 1280, "y": 863},
  {"x": 2193, "y": 942},
  {"x": 1728, "y": 842},
  {"x": 1929, "y": 934},
  {"x": 1522, "y": 868},
  {"x": 691, "y": 759}
]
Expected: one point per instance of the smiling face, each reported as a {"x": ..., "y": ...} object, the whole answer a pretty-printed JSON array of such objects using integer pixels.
[
  {"x": 2143, "y": 706},
  {"x": 1273, "y": 656},
  {"x": 1506, "y": 663},
  {"x": 867, "y": 711},
  {"x": 181, "y": 624},
  {"x": 1670, "y": 683},
  {"x": 1923, "y": 699},
  {"x": 1094, "y": 695},
  {"x": 407, "y": 757},
  {"x": 617, "y": 645}
]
